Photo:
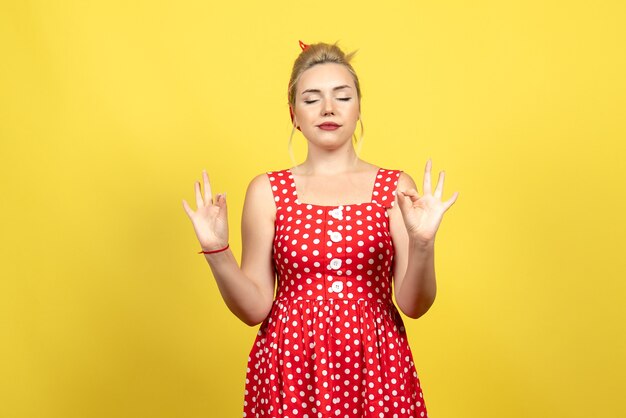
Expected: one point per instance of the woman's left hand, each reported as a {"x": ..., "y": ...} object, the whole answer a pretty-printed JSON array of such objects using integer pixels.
[{"x": 422, "y": 215}]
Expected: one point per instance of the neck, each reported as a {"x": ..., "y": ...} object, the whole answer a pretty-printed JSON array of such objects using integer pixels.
[{"x": 329, "y": 162}]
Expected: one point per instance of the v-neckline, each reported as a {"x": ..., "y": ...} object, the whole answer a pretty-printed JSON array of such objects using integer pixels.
[{"x": 298, "y": 202}]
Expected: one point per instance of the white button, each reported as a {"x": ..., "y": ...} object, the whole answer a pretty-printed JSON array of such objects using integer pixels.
[
  {"x": 335, "y": 263},
  {"x": 337, "y": 286},
  {"x": 336, "y": 213},
  {"x": 335, "y": 236}
]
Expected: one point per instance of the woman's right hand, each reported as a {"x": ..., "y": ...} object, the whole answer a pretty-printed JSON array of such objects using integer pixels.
[{"x": 209, "y": 220}]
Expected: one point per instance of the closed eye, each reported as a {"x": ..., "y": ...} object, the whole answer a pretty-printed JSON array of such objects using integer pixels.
[{"x": 343, "y": 99}]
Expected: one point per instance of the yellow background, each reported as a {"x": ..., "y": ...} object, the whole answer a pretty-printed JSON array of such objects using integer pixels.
[{"x": 110, "y": 110}]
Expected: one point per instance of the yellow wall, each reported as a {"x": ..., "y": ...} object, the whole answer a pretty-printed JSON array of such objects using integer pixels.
[{"x": 109, "y": 111}]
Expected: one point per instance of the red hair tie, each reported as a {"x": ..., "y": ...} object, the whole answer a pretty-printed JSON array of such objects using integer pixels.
[{"x": 304, "y": 48}]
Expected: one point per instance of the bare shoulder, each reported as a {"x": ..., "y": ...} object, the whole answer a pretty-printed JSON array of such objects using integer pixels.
[
  {"x": 405, "y": 182},
  {"x": 260, "y": 184},
  {"x": 259, "y": 196}
]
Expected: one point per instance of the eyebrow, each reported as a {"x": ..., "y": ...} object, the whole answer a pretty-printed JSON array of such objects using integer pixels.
[{"x": 319, "y": 91}]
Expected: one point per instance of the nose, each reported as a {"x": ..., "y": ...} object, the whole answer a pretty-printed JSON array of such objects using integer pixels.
[{"x": 328, "y": 108}]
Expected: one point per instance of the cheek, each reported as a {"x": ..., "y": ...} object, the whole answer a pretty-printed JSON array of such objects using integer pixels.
[
  {"x": 356, "y": 110},
  {"x": 302, "y": 113}
]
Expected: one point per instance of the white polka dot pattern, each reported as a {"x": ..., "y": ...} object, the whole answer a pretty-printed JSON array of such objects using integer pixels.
[{"x": 334, "y": 344}]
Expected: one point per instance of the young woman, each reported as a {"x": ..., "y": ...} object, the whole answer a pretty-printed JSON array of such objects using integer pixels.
[{"x": 331, "y": 341}]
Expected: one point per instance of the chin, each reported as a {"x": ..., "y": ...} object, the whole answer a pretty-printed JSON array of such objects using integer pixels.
[{"x": 331, "y": 144}]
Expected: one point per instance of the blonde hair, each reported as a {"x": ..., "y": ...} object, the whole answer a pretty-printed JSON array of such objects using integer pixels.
[{"x": 314, "y": 54}]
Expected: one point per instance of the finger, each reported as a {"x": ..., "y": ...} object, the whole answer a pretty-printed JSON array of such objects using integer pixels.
[
  {"x": 187, "y": 208},
  {"x": 450, "y": 201},
  {"x": 404, "y": 202},
  {"x": 208, "y": 194},
  {"x": 220, "y": 200},
  {"x": 199, "y": 201},
  {"x": 411, "y": 194},
  {"x": 426, "y": 187},
  {"x": 439, "y": 188}
]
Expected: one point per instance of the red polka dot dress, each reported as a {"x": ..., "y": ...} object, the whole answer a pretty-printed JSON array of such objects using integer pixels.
[{"x": 333, "y": 344}]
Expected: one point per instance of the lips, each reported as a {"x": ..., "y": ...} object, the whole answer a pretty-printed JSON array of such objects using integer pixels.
[{"x": 328, "y": 126}]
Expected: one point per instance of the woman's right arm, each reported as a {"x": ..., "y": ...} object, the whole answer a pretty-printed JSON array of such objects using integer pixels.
[{"x": 247, "y": 291}]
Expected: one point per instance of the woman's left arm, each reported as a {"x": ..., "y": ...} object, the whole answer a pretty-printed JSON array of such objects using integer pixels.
[{"x": 413, "y": 225}]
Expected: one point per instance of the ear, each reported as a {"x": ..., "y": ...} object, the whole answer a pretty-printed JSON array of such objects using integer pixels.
[{"x": 292, "y": 114}]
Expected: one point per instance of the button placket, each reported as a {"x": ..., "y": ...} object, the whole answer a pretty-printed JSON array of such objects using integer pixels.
[{"x": 336, "y": 240}]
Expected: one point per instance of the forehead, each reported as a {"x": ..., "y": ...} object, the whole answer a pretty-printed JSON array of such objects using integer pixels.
[{"x": 325, "y": 76}]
